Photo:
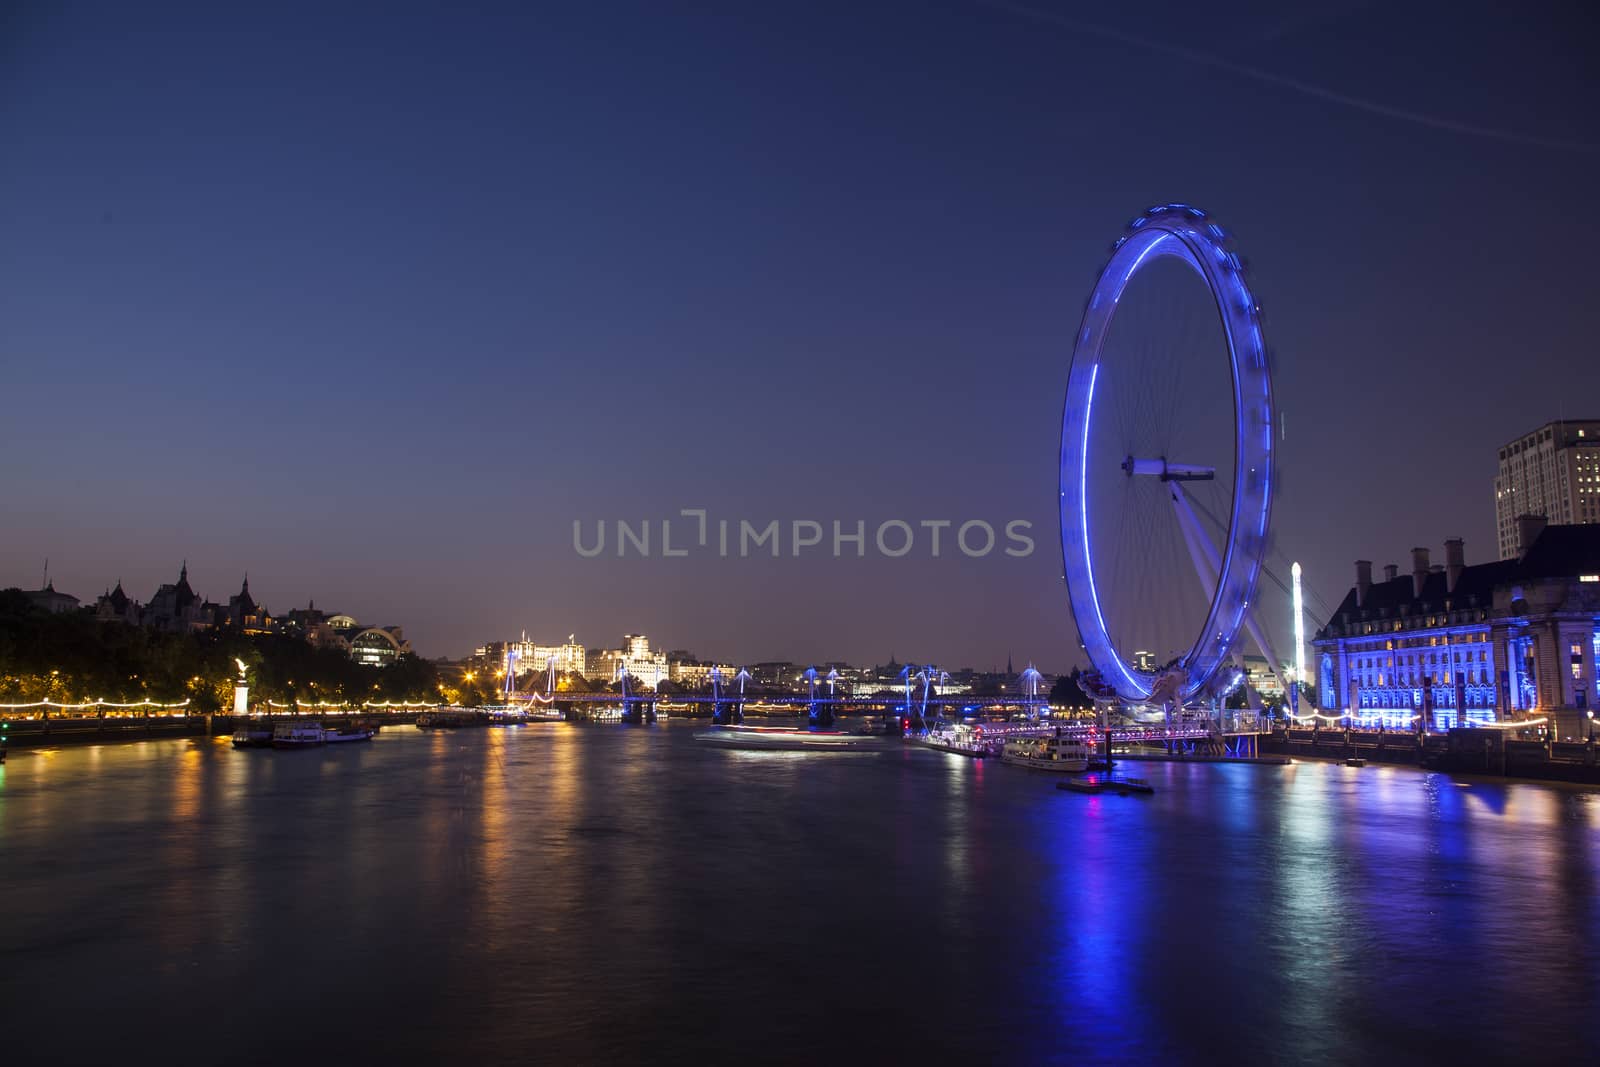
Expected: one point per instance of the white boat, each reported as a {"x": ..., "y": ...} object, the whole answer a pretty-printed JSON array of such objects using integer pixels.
[
  {"x": 347, "y": 733},
  {"x": 1051, "y": 753},
  {"x": 784, "y": 738},
  {"x": 964, "y": 739},
  {"x": 297, "y": 735}
]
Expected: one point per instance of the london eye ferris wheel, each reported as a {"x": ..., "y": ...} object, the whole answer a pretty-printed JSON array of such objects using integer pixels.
[{"x": 1167, "y": 466}]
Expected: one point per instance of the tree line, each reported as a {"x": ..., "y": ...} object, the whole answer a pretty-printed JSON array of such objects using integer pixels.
[{"x": 73, "y": 657}]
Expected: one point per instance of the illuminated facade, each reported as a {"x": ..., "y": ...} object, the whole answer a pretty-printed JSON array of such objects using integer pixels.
[
  {"x": 606, "y": 665},
  {"x": 568, "y": 657},
  {"x": 1552, "y": 472},
  {"x": 1454, "y": 644},
  {"x": 525, "y": 658},
  {"x": 378, "y": 646},
  {"x": 697, "y": 675},
  {"x": 1264, "y": 678}
]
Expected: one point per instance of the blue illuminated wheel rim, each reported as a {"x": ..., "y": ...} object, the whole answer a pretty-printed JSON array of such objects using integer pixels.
[{"x": 1188, "y": 234}]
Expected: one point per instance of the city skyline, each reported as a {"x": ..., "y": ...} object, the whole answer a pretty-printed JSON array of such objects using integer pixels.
[
  {"x": 90, "y": 602},
  {"x": 636, "y": 532},
  {"x": 393, "y": 363}
]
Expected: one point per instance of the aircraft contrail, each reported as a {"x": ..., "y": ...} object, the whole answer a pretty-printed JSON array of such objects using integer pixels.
[{"x": 1206, "y": 59}]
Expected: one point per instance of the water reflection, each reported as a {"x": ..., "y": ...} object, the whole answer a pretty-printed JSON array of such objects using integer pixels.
[{"x": 597, "y": 894}]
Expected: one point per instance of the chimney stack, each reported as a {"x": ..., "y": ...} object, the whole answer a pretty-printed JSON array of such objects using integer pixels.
[
  {"x": 1419, "y": 571},
  {"x": 1455, "y": 561},
  {"x": 1529, "y": 527},
  {"x": 1391, "y": 571},
  {"x": 1363, "y": 581}
]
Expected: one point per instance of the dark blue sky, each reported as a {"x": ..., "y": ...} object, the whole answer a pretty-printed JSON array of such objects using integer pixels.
[{"x": 374, "y": 307}]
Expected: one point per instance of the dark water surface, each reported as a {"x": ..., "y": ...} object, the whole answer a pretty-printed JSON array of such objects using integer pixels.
[{"x": 562, "y": 894}]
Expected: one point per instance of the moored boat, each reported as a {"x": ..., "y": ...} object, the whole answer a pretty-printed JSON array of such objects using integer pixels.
[
  {"x": 348, "y": 732},
  {"x": 964, "y": 739},
  {"x": 451, "y": 718},
  {"x": 297, "y": 735},
  {"x": 253, "y": 735},
  {"x": 1050, "y": 753}
]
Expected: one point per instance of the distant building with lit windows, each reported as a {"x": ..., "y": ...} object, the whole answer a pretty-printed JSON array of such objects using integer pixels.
[
  {"x": 1455, "y": 644},
  {"x": 243, "y": 613},
  {"x": 605, "y": 665},
  {"x": 1553, "y": 472},
  {"x": 568, "y": 658},
  {"x": 378, "y": 646}
]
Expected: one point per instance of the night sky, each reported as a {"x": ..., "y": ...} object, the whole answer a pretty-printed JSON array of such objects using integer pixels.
[{"x": 375, "y": 307}]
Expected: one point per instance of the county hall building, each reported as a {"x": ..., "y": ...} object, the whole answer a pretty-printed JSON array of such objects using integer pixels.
[{"x": 1455, "y": 644}]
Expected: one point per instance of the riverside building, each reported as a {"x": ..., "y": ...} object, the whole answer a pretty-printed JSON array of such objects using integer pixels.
[{"x": 1453, "y": 644}]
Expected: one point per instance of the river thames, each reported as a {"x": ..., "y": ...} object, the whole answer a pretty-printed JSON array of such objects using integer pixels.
[{"x": 566, "y": 893}]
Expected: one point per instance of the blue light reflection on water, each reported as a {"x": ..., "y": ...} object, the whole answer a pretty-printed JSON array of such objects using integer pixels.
[{"x": 610, "y": 893}]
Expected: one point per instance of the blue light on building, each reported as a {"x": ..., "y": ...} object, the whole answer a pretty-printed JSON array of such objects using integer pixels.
[{"x": 1453, "y": 645}]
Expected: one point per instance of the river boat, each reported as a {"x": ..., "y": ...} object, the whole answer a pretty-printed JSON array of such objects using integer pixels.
[
  {"x": 875, "y": 725},
  {"x": 1049, "y": 753},
  {"x": 451, "y": 718},
  {"x": 348, "y": 732},
  {"x": 1355, "y": 761},
  {"x": 1106, "y": 783},
  {"x": 784, "y": 738},
  {"x": 253, "y": 735},
  {"x": 963, "y": 739},
  {"x": 288, "y": 735},
  {"x": 506, "y": 716}
]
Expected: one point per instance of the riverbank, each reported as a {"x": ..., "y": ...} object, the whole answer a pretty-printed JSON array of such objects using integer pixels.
[
  {"x": 56, "y": 732},
  {"x": 1470, "y": 751}
]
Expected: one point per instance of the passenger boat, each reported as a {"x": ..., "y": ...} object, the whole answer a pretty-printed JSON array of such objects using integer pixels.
[
  {"x": 963, "y": 739},
  {"x": 1053, "y": 753},
  {"x": 253, "y": 735},
  {"x": 348, "y": 732},
  {"x": 780, "y": 738},
  {"x": 297, "y": 735},
  {"x": 1355, "y": 761}
]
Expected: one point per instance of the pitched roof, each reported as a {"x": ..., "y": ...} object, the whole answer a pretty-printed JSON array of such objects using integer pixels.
[
  {"x": 1558, "y": 552},
  {"x": 1561, "y": 552},
  {"x": 246, "y": 602}
]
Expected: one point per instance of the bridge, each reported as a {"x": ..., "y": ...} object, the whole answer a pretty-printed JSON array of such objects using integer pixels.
[
  {"x": 821, "y": 710},
  {"x": 1232, "y": 734}
]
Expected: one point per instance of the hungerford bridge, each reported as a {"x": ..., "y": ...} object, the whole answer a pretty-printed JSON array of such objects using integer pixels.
[
  {"x": 1235, "y": 734},
  {"x": 918, "y": 709}
]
